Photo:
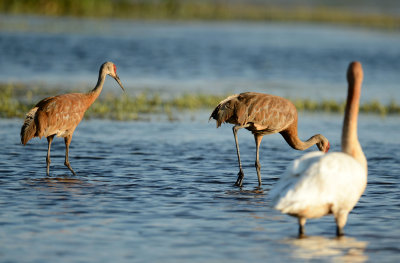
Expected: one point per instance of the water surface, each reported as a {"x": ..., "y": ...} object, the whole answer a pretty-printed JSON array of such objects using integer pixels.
[
  {"x": 163, "y": 192},
  {"x": 295, "y": 60}
]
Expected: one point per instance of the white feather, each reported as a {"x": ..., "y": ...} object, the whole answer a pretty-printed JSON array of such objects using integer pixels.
[{"x": 318, "y": 180}]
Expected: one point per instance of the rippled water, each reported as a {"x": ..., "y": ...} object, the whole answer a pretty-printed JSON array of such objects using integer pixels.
[
  {"x": 296, "y": 60},
  {"x": 163, "y": 192}
]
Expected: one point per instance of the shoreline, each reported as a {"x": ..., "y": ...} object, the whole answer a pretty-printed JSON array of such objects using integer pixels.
[
  {"x": 16, "y": 101},
  {"x": 175, "y": 10}
]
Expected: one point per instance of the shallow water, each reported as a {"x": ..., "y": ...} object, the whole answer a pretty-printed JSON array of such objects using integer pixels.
[
  {"x": 163, "y": 192},
  {"x": 295, "y": 60}
]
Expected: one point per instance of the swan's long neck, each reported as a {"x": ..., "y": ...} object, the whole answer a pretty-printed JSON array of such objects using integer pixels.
[
  {"x": 94, "y": 93},
  {"x": 350, "y": 143}
]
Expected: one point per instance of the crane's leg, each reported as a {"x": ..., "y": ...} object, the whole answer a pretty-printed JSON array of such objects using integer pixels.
[
  {"x": 302, "y": 222},
  {"x": 258, "y": 139},
  {"x": 239, "y": 181},
  {"x": 48, "y": 161},
  {"x": 67, "y": 143}
]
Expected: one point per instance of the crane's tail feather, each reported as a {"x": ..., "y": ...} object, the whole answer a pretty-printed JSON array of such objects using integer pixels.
[
  {"x": 223, "y": 111},
  {"x": 28, "y": 129}
]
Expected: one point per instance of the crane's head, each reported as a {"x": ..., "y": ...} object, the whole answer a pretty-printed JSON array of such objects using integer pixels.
[
  {"x": 323, "y": 144},
  {"x": 110, "y": 69}
]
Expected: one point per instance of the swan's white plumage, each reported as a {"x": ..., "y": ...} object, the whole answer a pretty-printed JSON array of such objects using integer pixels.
[{"x": 317, "y": 184}]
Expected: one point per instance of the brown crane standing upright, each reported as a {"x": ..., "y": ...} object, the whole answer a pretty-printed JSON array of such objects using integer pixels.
[
  {"x": 59, "y": 115},
  {"x": 263, "y": 114}
]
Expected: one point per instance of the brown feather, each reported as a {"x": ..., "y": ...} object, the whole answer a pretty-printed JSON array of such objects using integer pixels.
[
  {"x": 224, "y": 110},
  {"x": 263, "y": 113},
  {"x": 28, "y": 129},
  {"x": 61, "y": 114}
]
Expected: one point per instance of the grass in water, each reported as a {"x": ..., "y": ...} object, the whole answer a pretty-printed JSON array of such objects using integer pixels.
[
  {"x": 16, "y": 100},
  {"x": 201, "y": 10}
]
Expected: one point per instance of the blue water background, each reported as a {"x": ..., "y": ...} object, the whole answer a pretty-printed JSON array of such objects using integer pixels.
[{"x": 161, "y": 191}]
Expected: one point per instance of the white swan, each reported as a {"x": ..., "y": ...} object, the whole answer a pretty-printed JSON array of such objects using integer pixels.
[{"x": 319, "y": 184}]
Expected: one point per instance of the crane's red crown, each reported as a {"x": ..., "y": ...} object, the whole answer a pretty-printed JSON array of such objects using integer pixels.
[
  {"x": 115, "y": 69},
  {"x": 327, "y": 147}
]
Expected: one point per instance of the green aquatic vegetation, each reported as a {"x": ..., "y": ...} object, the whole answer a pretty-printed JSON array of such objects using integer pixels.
[
  {"x": 10, "y": 106},
  {"x": 393, "y": 108},
  {"x": 195, "y": 101},
  {"x": 374, "y": 107},
  {"x": 128, "y": 107},
  {"x": 16, "y": 100},
  {"x": 315, "y": 106},
  {"x": 201, "y": 10},
  {"x": 125, "y": 106}
]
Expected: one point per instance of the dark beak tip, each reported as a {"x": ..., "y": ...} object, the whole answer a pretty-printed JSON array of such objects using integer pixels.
[{"x": 119, "y": 82}]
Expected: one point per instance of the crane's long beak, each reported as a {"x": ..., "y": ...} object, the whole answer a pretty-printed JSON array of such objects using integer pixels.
[{"x": 119, "y": 82}]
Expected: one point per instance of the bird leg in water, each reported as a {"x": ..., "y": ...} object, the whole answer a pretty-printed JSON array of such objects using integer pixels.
[
  {"x": 66, "y": 163},
  {"x": 341, "y": 219},
  {"x": 48, "y": 161},
  {"x": 302, "y": 222},
  {"x": 258, "y": 139},
  {"x": 239, "y": 181}
]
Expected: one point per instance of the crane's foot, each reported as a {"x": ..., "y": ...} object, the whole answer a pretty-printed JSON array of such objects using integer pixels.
[
  {"x": 239, "y": 181},
  {"x": 70, "y": 168}
]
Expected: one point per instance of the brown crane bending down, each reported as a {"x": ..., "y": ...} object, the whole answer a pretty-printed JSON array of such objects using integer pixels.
[
  {"x": 61, "y": 114},
  {"x": 263, "y": 114}
]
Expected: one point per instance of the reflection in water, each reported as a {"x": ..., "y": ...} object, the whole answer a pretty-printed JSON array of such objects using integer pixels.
[
  {"x": 193, "y": 57},
  {"x": 66, "y": 184},
  {"x": 257, "y": 192},
  {"x": 53, "y": 181},
  {"x": 164, "y": 193},
  {"x": 343, "y": 249}
]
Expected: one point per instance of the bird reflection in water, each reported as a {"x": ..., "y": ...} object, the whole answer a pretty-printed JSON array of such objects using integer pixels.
[
  {"x": 67, "y": 184},
  {"x": 257, "y": 192},
  {"x": 65, "y": 180},
  {"x": 342, "y": 249}
]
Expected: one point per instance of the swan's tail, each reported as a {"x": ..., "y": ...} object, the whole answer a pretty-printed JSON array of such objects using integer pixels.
[
  {"x": 224, "y": 110},
  {"x": 28, "y": 129}
]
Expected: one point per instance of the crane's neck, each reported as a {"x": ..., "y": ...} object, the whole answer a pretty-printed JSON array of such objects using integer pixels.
[
  {"x": 291, "y": 137},
  {"x": 350, "y": 143},
  {"x": 94, "y": 93}
]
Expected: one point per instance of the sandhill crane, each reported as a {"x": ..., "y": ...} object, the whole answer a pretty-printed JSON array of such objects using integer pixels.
[
  {"x": 317, "y": 185},
  {"x": 263, "y": 114},
  {"x": 59, "y": 115}
]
